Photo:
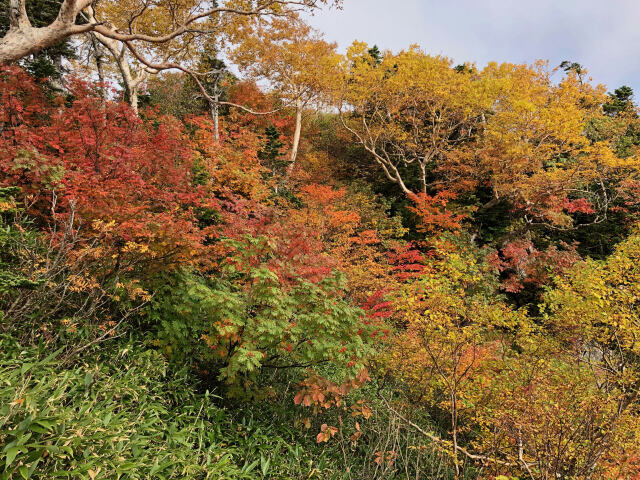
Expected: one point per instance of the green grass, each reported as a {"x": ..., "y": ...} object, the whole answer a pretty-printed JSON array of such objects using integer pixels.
[{"x": 124, "y": 414}]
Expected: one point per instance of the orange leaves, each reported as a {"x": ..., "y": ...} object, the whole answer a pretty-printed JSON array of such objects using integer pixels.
[
  {"x": 325, "y": 212},
  {"x": 474, "y": 360},
  {"x": 433, "y": 214},
  {"x": 309, "y": 397},
  {"x": 291, "y": 55},
  {"x": 323, "y": 199},
  {"x": 342, "y": 218},
  {"x": 408, "y": 261},
  {"x": 326, "y": 433},
  {"x": 356, "y": 231},
  {"x": 360, "y": 408},
  {"x": 357, "y": 434},
  {"x": 360, "y": 379},
  {"x": 366, "y": 237},
  {"x": 385, "y": 457},
  {"x": 322, "y": 195},
  {"x": 107, "y": 168},
  {"x": 319, "y": 392},
  {"x": 581, "y": 205}
]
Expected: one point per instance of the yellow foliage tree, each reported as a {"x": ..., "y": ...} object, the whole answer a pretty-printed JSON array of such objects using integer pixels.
[
  {"x": 294, "y": 59},
  {"x": 507, "y": 128},
  {"x": 410, "y": 111},
  {"x": 534, "y": 152}
]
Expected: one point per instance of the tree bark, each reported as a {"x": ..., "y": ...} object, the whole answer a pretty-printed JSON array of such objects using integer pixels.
[
  {"x": 23, "y": 39},
  {"x": 132, "y": 94},
  {"x": 215, "y": 117},
  {"x": 98, "y": 55},
  {"x": 296, "y": 137},
  {"x": 21, "y": 42},
  {"x": 215, "y": 109}
]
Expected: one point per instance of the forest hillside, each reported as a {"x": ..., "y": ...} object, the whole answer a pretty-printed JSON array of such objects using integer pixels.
[{"x": 229, "y": 250}]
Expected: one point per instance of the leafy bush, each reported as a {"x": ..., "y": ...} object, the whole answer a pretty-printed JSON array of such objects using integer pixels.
[
  {"x": 251, "y": 319},
  {"x": 13, "y": 242}
]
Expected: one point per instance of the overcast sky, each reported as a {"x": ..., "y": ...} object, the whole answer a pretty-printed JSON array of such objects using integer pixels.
[{"x": 604, "y": 36}]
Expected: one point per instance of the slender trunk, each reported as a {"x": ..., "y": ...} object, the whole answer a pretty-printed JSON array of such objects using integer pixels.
[
  {"x": 423, "y": 177},
  {"x": 215, "y": 117},
  {"x": 57, "y": 82},
  {"x": 215, "y": 114},
  {"x": 454, "y": 431},
  {"x": 296, "y": 137},
  {"x": 98, "y": 54},
  {"x": 100, "y": 67},
  {"x": 132, "y": 93},
  {"x": 129, "y": 82}
]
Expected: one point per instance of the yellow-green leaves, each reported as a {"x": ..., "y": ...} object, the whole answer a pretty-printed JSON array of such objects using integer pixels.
[{"x": 597, "y": 305}]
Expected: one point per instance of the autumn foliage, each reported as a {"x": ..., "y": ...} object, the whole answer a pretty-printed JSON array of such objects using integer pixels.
[{"x": 425, "y": 263}]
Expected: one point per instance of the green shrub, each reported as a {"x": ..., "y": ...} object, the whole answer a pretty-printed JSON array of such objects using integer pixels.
[{"x": 249, "y": 319}]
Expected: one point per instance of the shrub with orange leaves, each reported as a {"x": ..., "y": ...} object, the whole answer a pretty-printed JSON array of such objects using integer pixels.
[
  {"x": 433, "y": 214},
  {"x": 105, "y": 164}
]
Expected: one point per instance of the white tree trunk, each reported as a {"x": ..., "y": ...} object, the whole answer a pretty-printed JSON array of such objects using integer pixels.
[
  {"x": 130, "y": 82},
  {"x": 215, "y": 115},
  {"x": 296, "y": 138},
  {"x": 19, "y": 43},
  {"x": 132, "y": 93}
]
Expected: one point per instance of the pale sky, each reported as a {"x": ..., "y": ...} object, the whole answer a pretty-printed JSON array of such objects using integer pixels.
[{"x": 604, "y": 36}]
